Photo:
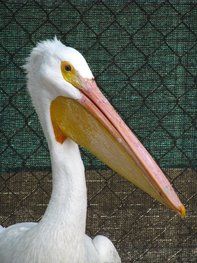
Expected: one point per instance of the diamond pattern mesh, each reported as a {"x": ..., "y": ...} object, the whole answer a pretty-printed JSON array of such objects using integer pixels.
[{"x": 143, "y": 55}]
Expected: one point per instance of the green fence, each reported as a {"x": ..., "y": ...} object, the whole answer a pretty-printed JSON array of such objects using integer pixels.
[{"x": 144, "y": 57}]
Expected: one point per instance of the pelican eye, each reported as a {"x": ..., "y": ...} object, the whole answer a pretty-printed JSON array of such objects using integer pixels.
[
  {"x": 67, "y": 68},
  {"x": 69, "y": 73}
]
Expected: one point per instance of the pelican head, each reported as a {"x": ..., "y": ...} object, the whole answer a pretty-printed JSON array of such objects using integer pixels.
[{"x": 59, "y": 76}]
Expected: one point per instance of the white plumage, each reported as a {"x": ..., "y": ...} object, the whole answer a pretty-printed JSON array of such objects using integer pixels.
[
  {"x": 72, "y": 109},
  {"x": 60, "y": 236}
]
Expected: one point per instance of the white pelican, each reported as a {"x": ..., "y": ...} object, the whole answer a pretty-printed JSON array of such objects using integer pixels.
[{"x": 72, "y": 110}]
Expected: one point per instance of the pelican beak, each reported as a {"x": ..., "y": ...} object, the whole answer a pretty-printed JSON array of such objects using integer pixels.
[{"x": 93, "y": 123}]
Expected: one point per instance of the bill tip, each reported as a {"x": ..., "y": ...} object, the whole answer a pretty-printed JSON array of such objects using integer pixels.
[{"x": 182, "y": 211}]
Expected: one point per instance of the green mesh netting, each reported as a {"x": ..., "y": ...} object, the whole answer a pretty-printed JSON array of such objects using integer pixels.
[{"x": 143, "y": 55}]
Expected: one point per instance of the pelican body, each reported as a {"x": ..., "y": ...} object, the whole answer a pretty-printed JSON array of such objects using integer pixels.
[{"x": 72, "y": 110}]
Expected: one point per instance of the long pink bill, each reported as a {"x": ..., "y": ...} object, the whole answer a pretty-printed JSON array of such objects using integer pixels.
[{"x": 143, "y": 171}]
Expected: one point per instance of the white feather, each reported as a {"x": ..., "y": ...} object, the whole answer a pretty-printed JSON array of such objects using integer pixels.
[{"x": 60, "y": 236}]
